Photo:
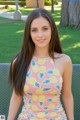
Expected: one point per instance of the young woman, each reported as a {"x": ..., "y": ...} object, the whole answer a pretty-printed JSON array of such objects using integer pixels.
[{"x": 40, "y": 73}]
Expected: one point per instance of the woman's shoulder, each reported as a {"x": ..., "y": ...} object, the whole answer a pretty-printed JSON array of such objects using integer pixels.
[
  {"x": 63, "y": 61},
  {"x": 63, "y": 57},
  {"x": 13, "y": 62}
]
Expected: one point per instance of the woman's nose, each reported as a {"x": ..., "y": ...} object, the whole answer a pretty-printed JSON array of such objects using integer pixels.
[{"x": 40, "y": 33}]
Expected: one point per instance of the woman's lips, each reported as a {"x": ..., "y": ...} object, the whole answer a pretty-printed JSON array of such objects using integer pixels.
[{"x": 41, "y": 40}]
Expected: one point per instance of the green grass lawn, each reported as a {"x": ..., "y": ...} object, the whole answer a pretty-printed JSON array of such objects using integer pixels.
[{"x": 11, "y": 35}]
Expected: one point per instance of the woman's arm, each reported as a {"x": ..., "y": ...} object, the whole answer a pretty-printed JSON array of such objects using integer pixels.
[
  {"x": 66, "y": 90},
  {"x": 15, "y": 103}
]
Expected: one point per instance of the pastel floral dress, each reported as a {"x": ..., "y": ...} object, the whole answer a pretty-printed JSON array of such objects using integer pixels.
[{"x": 42, "y": 92}]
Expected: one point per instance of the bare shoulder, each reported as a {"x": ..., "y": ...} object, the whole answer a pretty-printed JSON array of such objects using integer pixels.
[
  {"x": 66, "y": 58},
  {"x": 62, "y": 61},
  {"x": 13, "y": 62},
  {"x": 67, "y": 62},
  {"x": 63, "y": 57}
]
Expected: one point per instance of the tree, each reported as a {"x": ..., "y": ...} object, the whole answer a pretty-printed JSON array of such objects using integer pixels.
[
  {"x": 70, "y": 13},
  {"x": 52, "y": 5},
  {"x": 37, "y": 3}
]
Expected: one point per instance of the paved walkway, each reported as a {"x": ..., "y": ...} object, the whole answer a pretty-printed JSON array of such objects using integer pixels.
[{"x": 9, "y": 15}]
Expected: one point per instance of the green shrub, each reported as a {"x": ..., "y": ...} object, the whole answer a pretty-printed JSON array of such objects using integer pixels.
[
  {"x": 7, "y": 3},
  {"x": 21, "y": 3},
  {"x": 56, "y": 2},
  {"x": 48, "y": 2}
]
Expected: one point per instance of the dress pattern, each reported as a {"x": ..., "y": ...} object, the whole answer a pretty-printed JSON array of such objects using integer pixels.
[{"x": 42, "y": 92}]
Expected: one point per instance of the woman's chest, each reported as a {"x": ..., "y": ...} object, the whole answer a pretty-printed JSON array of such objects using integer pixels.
[{"x": 43, "y": 79}]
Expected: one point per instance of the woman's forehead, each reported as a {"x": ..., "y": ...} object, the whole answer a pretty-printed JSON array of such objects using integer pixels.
[{"x": 40, "y": 21}]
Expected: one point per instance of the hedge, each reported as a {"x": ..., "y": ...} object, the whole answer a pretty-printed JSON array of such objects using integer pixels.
[
  {"x": 21, "y": 3},
  {"x": 48, "y": 2}
]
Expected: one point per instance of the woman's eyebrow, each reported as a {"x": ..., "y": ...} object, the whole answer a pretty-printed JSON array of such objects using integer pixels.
[{"x": 42, "y": 27}]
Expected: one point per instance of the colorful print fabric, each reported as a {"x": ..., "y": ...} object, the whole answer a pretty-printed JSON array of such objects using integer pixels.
[{"x": 42, "y": 92}]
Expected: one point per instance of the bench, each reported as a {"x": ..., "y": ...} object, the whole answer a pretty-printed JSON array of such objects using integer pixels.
[{"x": 5, "y": 89}]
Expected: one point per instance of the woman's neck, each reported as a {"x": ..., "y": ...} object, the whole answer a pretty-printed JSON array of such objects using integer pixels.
[{"x": 41, "y": 53}]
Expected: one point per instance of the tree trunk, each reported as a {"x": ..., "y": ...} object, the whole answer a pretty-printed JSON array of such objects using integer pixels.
[
  {"x": 37, "y": 3},
  {"x": 70, "y": 14},
  {"x": 52, "y": 6},
  {"x": 74, "y": 13},
  {"x": 64, "y": 13}
]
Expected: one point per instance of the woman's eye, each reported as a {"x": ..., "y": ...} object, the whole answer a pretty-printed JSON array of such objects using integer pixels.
[
  {"x": 34, "y": 30},
  {"x": 45, "y": 28}
]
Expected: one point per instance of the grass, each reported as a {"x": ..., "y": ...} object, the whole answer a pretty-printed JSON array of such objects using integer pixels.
[
  {"x": 10, "y": 39},
  {"x": 70, "y": 40},
  {"x": 11, "y": 35}
]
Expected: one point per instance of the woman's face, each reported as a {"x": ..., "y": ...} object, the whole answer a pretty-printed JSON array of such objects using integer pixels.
[{"x": 40, "y": 32}]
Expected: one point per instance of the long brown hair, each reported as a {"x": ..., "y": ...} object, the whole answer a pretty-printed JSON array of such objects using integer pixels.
[{"x": 20, "y": 65}]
